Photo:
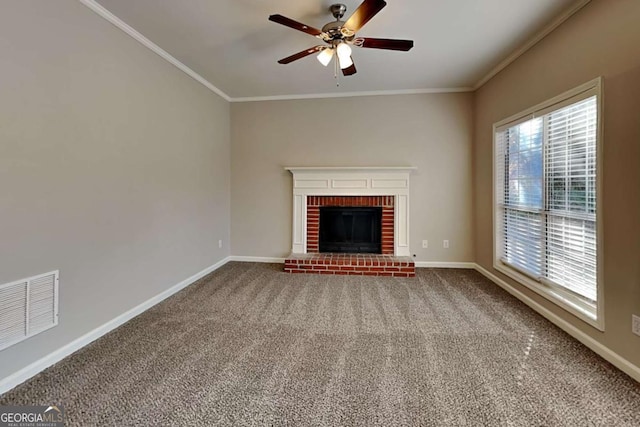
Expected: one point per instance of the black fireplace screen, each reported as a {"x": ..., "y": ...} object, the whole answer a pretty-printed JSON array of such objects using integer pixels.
[{"x": 350, "y": 229}]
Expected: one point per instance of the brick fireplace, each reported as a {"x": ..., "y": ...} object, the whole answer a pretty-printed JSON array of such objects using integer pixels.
[
  {"x": 314, "y": 203},
  {"x": 376, "y": 187}
]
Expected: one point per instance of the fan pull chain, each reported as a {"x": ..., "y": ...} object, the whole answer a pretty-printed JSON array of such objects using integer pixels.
[{"x": 336, "y": 72}]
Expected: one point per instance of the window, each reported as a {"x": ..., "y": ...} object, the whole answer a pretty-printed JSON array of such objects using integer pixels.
[{"x": 546, "y": 194}]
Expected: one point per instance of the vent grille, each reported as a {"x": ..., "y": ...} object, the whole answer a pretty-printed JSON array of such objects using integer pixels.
[{"x": 28, "y": 307}]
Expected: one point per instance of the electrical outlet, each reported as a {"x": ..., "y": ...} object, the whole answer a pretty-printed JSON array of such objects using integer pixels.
[
  {"x": 445, "y": 244},
  {"x": 219, "y": 243},
  {"x": 425, "y": 244},
  {"x": 635, "y": 324}
]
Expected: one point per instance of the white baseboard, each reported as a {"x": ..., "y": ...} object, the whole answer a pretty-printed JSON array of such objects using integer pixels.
[
  {"x": 38, "y": 366},
  {"x": 430, "y": 264},
  {"x": 269, "y": 260},
  {"x": 606, "y": 353},
  {"x": 31, "y": 370}
]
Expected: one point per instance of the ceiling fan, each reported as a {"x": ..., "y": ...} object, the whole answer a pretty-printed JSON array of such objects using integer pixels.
[{"x": 339, "y": 36}]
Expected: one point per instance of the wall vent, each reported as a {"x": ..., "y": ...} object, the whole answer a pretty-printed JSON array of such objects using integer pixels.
[{"x": 28, "y": 307}]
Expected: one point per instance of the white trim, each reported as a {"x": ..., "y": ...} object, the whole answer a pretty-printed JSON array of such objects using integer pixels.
[
  {"x": 555, "y": 296},
  {"x": 352, "y": 181},
  {"x": 606, "y": 353},
  {"x": 597, "y": 319},
  {"x": 531, "y": 112},
  {"x": 347, "y": 169},
  {"x": 266, "y": 260},
  {"x": 38, "y": 366},
  {"x": 432, "y": 264},
  {"x": 532, "y": 42},
  {"x": 104, "y": 13},
  {"x": 119, "y": 23},
  {"x": 353, "y": 94}
]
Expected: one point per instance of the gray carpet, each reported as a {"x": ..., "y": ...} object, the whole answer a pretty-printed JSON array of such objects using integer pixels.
[{"x": 250, "y": 345}]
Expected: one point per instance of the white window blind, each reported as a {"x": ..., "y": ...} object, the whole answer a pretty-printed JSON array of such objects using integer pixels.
[
  {"x": 570, "y": 170},
  {"x": 546, "y": 179}
]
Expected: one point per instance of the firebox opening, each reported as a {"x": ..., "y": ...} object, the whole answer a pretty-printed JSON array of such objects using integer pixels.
[{"x": 350, "y": 229}]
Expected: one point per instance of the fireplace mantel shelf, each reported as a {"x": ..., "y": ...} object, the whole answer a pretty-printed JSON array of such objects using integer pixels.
[{"x": 338, "y": 169}]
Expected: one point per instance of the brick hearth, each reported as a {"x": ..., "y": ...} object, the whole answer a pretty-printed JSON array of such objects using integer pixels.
[{"x": 350, "y": 264}]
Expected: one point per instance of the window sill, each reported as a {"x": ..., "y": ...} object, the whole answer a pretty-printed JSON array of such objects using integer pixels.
[{"x": 576, "y": 307}]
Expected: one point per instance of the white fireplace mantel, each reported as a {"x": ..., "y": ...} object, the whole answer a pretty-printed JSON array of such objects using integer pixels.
[{"x": 352, "y": 181}]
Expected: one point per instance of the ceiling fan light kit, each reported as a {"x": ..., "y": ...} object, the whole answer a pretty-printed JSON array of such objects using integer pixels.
[
  {"x": 325, "y": 56},
  {"x": 340, "y": 36}
]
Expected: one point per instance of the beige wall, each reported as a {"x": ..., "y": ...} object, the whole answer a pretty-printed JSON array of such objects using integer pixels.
[
  {"x": 431, "y": 131},
  {"x": 603, "y": 39},
  {"x": 114, "y": 168}
]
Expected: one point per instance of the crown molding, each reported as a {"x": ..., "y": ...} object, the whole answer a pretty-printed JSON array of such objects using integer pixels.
[
  {"x": 579, "y": 4},
  {"x": 107, "y": 15},
  {"x": 119, "y": 23},
  {"x": 352, "y": 94},
  {"x": 104, "y": 13}
]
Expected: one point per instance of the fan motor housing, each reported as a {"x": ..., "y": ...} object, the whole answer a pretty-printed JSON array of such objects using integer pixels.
[{"x": 334, "y": 30}]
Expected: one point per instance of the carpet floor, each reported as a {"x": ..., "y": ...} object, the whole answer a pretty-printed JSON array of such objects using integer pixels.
[{"x": 251, "y": 345}]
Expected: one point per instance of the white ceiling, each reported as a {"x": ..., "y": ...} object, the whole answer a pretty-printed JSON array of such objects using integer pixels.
[{"x": 231, "y": 43}]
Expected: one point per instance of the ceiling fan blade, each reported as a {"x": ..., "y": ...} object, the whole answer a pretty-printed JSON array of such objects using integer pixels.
[
  {"x": 350, "y": 71},
  {"x": 283, "y": 20},
  {"x": 389, "y": 44},
  {"x": 301, "y": 54},
  {"x": 363, "y": 14}
]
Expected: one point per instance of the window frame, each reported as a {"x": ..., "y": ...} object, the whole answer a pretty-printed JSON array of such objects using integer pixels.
[{"x": 592, "y": 315}]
